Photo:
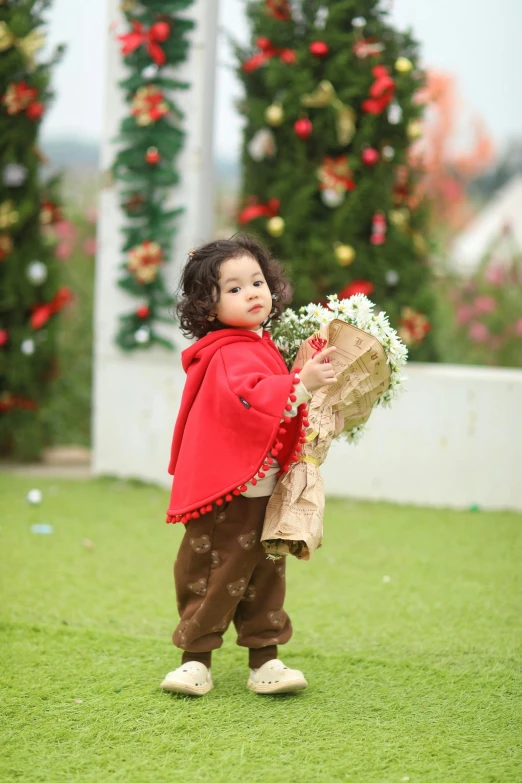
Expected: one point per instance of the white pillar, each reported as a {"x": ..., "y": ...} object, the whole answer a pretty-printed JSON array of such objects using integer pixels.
[{"x": 136, "y": 396}]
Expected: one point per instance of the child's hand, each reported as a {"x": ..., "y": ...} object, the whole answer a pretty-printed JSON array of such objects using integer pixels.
[{"x": 315, "y": 374}]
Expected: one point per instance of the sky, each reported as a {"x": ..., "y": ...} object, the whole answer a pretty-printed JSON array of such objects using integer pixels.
[{"x": 477, "y": 41}]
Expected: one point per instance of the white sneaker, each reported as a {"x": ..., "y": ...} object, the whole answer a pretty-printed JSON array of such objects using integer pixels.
[
  {"x": 274, "y": 677},
  {"x": 193, "y": 678}
]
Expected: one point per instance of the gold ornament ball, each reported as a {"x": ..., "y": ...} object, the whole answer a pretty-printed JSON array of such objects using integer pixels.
[
  {"x": 414, "y": 129},
  {"x": 275, "y": 115},
  {"x": 345, "y": 254},
  {"x": 275, "y": 226},
  {"x": 403, "y": 65},
  {"x": 399, "y": 217}
]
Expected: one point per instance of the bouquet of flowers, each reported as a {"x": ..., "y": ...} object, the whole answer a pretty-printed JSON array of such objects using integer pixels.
[{"x": 368, "y": 362}]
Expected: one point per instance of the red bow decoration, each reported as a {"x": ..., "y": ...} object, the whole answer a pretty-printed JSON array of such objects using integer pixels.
[
  {"x": 318, "y": 343},
  {"x": 381, "y": 91},
  {"x": 255, "y": 210},
  {"x": 9, "y": 401},
  {"x": 151, "y": 38},
  {"x": 42, "y": 313},
  {"x": 267, "y": 52},
  {"x": 279, "y": 9},
  {"x": 357, "y": 287}
]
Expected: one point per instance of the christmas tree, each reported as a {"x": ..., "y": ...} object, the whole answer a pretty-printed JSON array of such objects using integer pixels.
[
  {"x": 331, "y": 112},
  {"x": 30, "y": 294}
]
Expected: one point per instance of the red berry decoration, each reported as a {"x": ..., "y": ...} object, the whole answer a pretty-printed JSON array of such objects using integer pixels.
[
  {"x": 303, "y": 128},
  {"x": 370, "y": 156},
  {"x": 4, "y": 337},
  {"x": 143, "y": 312},
  {"x": 152, "y": 156},
  {"x": 319, "y": 49},
  {"x": 161, "y": 30},
  {"x": 35, "y": 111}
]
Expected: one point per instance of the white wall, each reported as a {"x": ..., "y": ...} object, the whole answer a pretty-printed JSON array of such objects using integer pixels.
[
  {"x": 453, "y": 439},
  {"x": 136, "y": 395}
]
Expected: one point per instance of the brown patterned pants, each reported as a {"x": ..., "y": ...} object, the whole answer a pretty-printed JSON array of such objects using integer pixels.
[{"x": 222, "y": 575}]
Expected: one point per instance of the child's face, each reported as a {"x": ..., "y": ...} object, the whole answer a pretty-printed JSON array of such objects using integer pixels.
[{"x": 245, "y": 299}]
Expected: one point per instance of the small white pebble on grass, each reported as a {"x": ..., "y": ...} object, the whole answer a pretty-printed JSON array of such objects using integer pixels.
[
  {"x": 87, "y": 543},
  {"x": 387, "y": 579},
  {"x": 78, "y": 701},
  {"x": 403, "y": 780}
]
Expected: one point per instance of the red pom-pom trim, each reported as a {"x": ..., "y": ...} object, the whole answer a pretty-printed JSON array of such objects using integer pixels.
[
  {"x": 270, "y": 460},
  {"x": 261, "y": 474},
  {"x": 243, "y": 488},
  {"x": 281, "y": 431},
  {"x": 236, "y": 492},
  {"x": 228, "y": 498},
  {"x": 293, "y": 398},
  {"x": 287, "y": 419},
  {"x": 288, "y": 407},
  {"x": 253, "y": 481},
  {"x": 219, "y": 502},
  {"x": 195, "y": 515}
]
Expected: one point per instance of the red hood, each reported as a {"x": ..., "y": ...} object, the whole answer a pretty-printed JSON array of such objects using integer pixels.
[{"x": 204, "y": 349}]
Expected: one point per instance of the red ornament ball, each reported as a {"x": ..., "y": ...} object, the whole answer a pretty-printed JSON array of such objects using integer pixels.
[
  {"x": 370, "y": 156},
  {"x": 161, "y": 30},
  {"x": 152, "y": 156},
  {"x": 35, "y": 111},
  {"x": 319, "y": 49},
  {"x": 143, "y": 312},
  {"x": 263, "y": 43},
  {"x": 4, "y": 337},
  {"x": 303, "y": 128}
]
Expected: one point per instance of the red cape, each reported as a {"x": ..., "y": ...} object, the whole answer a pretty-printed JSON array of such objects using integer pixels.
[{"x": 229, "y": 422}]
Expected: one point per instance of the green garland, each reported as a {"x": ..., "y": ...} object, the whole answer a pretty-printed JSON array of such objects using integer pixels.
[{"x": 150, "y": 141}]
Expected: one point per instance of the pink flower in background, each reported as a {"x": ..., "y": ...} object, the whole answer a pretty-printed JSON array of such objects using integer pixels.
[
  {"x": 65, "y": 229},
  {"x": 464, "y": 314},
  {"x": 485, "y": 304},
  {"x": 89, "y": 246},
  {"x": 518, "y": 327},
  {"x": 478, "y": 332},
  {"x": 64, "y": 250},
  {"x": 494, "y": 275}
]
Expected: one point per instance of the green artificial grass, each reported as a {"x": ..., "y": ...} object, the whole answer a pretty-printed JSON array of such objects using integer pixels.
[{"x": 407, "y": 624}]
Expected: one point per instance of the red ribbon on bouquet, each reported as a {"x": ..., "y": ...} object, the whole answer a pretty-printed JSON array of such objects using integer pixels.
[
  {"x": 268, "y": 50},
  {"x": 318, "y": 343},
  {"x": 42, "y": 313},
  {"x": 151, "y": 38},
  {"x": 381, "y": 91},
  {"x": 255, "y": 210}
]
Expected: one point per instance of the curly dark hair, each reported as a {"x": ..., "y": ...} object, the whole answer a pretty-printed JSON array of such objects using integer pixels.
[{"x": 198, "y": 291}]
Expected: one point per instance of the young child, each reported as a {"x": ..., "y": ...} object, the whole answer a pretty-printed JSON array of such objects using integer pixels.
[{"x": 241, "y": 422}]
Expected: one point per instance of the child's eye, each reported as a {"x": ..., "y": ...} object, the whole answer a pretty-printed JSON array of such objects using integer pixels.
[
  {"x": 259, "y": 282},
  {"x": 233, "y": 290}
]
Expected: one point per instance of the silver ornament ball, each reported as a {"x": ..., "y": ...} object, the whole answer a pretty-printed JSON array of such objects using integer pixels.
[
  {"x": 392, "y": 277},
  {"x": 27, "y": 347},
  {"x": 358, "y": 22},
  {"x": 37, "y": 273},
  {"x": 332, "y": 198},
  {"x": 14, "y": 175},
  {"x": 150, "y": 71},
  {"x": 142, "y": 335}
]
